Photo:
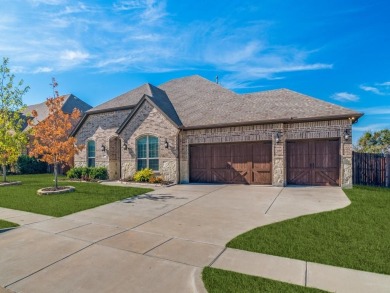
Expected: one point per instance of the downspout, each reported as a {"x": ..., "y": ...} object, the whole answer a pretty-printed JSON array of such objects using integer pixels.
[{"x": 178, "y": 156}]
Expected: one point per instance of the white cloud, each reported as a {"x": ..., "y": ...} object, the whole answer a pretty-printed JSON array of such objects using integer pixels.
[
  {"x": 381, "y": 89},
  {"x": 70, "y": 55},
  {"x": 149, "y": 11},
  {"x": 47, "y": 2},
  {"x": 371, "y": 89},
  {"x": 43, "y": 70},
  {"x": 77, "y": 8},
  {"x": 345, "y": 97},
  {"x": 129, "y": 5}
]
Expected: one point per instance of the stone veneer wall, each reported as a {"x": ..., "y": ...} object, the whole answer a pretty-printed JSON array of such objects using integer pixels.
[
  {"x": 287, "y": 131},
  {"x": 149, "y": 121},
  {"x": 100, "y": 128}
]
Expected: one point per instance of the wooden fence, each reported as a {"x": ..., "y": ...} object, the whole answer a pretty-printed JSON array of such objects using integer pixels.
[{"x": 371, "y": 169}]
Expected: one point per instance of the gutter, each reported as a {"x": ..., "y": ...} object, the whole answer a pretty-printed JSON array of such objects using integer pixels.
[{"x": 271, "y": 121}]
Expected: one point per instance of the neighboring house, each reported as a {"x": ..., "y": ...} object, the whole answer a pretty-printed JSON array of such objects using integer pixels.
[
  {"x": 193, "y": 130},
  {"x": 70, "y": 103}
]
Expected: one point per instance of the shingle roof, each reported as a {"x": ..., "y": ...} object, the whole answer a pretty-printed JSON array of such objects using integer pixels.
[
  {"x": 130, "y": 98},
  {"x": 70, "y": 102},
  {"x": 200, "y": 102},
  {"x": 161, "y": 100},
  {"x": 73, "y": 102},
  {"x": 194, "y": 102}
]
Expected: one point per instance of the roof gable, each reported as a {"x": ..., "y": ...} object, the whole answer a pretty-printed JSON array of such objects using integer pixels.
[
  {"x": 128, "y": 99},
  {"x": 161, "y": 102}
]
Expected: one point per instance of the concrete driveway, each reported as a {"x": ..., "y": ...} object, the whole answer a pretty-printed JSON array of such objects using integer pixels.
[{"x": 157, "y": 242}]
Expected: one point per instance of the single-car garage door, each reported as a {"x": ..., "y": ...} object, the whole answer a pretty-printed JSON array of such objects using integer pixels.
[
  {"x": 248, "y": 163},
  {"x": 313, "y": 162}
]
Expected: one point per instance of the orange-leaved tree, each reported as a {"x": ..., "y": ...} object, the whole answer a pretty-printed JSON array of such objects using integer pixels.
[{"x": 51, "y": 141}]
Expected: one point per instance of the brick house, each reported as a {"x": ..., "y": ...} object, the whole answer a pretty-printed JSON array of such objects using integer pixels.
[{"x": 193, "y": 130}]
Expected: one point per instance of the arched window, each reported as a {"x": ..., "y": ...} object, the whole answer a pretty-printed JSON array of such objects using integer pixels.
[
  {"x": 147, "y": 153},
  {"x": 91, "y": 153}
]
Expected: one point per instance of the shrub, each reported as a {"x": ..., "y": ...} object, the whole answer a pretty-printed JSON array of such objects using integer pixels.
[
  {"x": 75, "y": 173},
  {"x": 98, "y": 173},
  {"x": 85, "y": 173},
  {"x": 143, "y": 175},
  {"x": 30, "y": 165},
  {"x": 155, "y": 180},
  {"x": 88, "y": 173}
]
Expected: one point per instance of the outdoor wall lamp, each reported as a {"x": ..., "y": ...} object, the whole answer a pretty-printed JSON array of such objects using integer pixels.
[
  {"x": 277, "y": 137},
  {"x": 125, "y": 146},
  {"x": 103, "y": 148},
  {"x": 347, "y": 134},
  {"x": 166, "y": 144}
]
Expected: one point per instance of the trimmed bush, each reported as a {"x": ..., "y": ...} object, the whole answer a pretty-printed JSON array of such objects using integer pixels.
[
  {"x": 98, "y": 173},
  {"x": 143, "y": 175},
  {"x": 30, "y": 165},
  {"x": 75, "y": 173},
  {"x": 88, "y": 173}
]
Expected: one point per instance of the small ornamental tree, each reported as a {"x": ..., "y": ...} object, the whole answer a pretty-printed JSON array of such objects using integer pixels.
[
  {"x": 51, "y": 141},
  {"x": 12, "y": 137}
]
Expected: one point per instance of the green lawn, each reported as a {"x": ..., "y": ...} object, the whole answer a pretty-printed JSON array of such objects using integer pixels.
[
  {"x": 356, "y": 237},
  {"x": 6, "y": 224},
  {"x": 87, "y": 195},
  {"x": 221, "y": 281}
]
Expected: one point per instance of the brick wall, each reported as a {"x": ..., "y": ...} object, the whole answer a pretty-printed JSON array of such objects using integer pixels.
[
  {"x": 100, "y": 128},
  {"x": 149, "y": 121}
]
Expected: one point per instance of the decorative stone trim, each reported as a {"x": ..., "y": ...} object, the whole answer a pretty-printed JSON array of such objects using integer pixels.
[
  {"x": 3, "y": 184},
  {"x": 64, "y": 189}
]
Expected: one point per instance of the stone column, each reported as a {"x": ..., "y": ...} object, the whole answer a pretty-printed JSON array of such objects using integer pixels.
[
  {"x": 184, "y": 160},
  {"x": 346, "y": 159},
  {"x": 278, "y": 160}
]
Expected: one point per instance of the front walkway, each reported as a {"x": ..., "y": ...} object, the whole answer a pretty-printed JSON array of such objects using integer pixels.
[{"x": 158, "y": 242}]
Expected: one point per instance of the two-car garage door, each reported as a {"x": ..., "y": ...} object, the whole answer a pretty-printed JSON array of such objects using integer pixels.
[
  {"x": 248, "y": 163},
  {"x": 308, "y": 162}
]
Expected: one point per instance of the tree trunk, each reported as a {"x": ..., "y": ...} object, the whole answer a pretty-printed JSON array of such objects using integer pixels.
[
  {"x": 4, "y": 173},
  {"x": 55, "y": 176}
]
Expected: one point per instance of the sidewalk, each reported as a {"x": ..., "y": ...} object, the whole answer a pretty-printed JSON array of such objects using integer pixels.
[
  {"x": 325, "y": 277},
  {"x": 20, "y": 217}
]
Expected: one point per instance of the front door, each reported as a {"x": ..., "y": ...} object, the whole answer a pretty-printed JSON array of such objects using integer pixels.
[{"x": 114, "y": 158}]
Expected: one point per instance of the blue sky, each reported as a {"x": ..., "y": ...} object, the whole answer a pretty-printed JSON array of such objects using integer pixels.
[{"x": 338, "y": 51}]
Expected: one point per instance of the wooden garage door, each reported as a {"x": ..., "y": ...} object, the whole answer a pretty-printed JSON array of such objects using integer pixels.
[
  {"x": 313, "y": 162},
  {"x": 248, "y": 163}
]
